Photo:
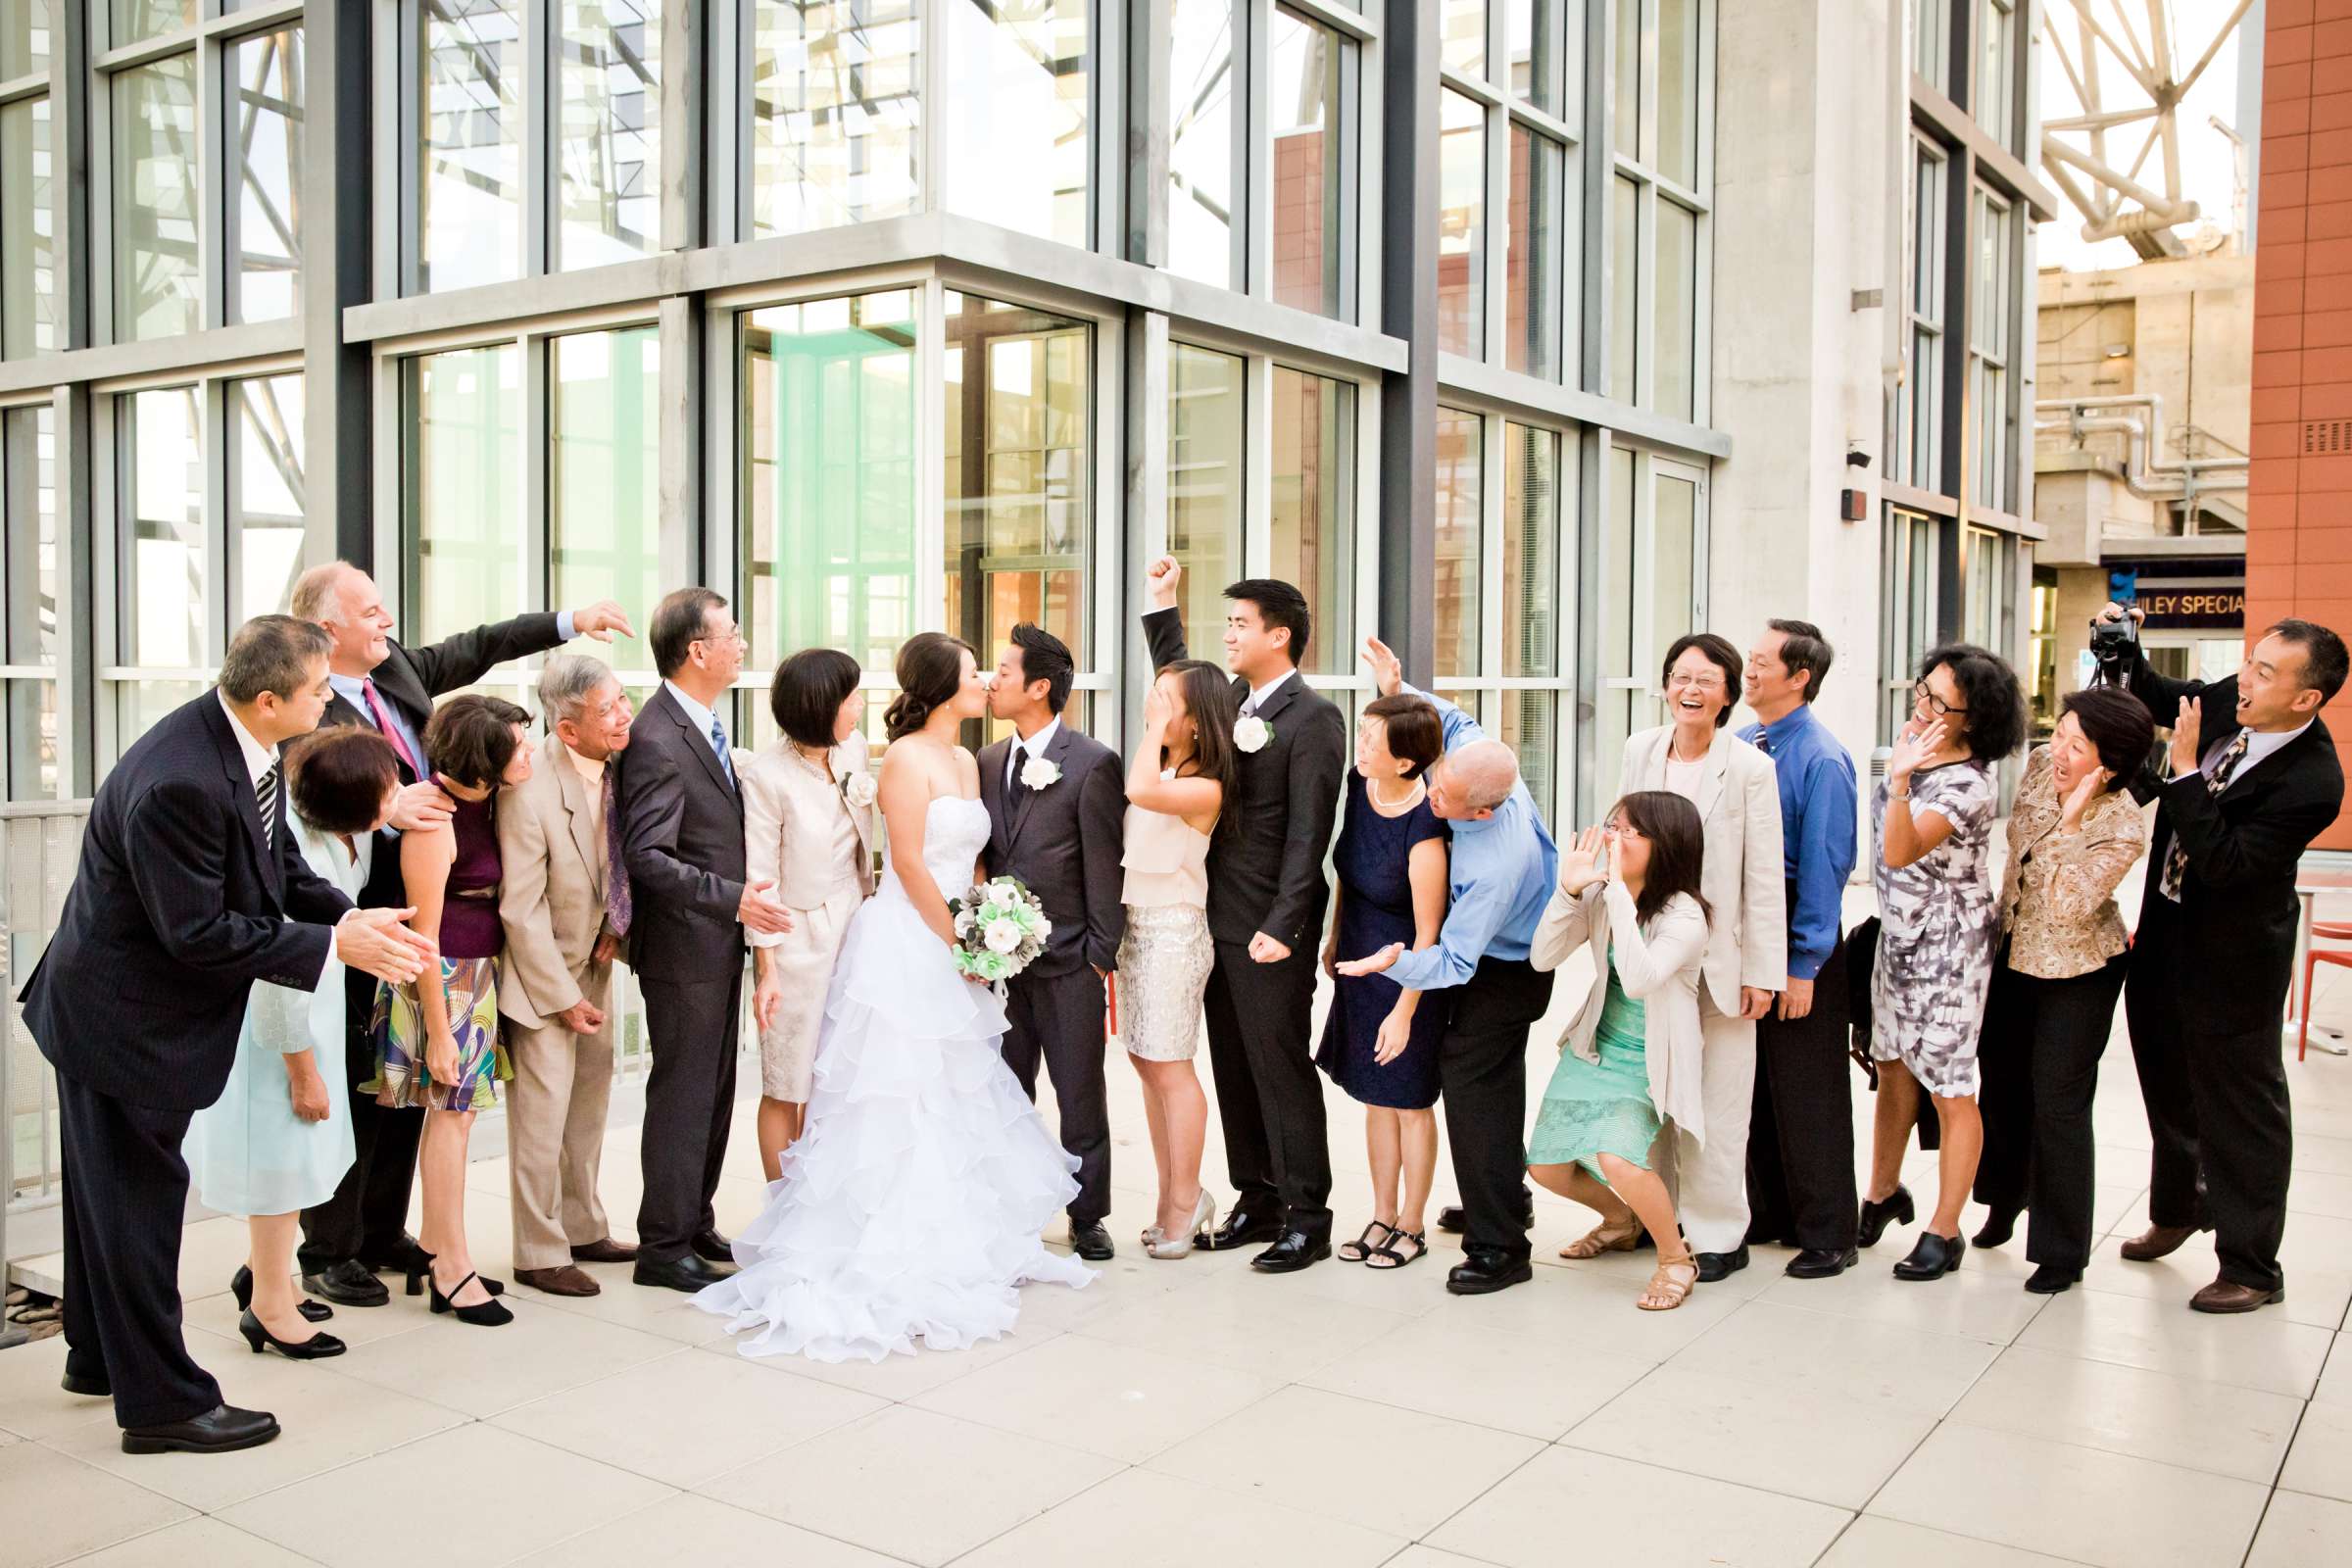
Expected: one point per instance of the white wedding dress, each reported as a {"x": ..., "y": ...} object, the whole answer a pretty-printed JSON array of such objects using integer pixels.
[{"x": 910, "y": 1207}]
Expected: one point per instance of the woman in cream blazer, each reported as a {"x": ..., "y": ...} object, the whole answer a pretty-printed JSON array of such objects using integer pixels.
[
  {"x": 809, "y": 829},
  {"x": 1743, "y": 881}
]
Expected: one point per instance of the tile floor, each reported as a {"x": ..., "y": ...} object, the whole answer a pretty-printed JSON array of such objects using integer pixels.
[{"x": 1188, "y": 1413}]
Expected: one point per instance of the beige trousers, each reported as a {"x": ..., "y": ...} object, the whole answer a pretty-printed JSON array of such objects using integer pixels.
[{"x": 555, "y": 1139}]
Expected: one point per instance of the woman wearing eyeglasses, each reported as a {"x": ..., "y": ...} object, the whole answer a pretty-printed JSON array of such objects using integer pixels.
[{"x": 1939, "y": 926}]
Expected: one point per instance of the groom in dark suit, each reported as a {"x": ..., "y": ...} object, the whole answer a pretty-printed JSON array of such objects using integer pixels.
[
  {"x": 1267, "y": 896},
  {"x": 1056, "y": 814}
]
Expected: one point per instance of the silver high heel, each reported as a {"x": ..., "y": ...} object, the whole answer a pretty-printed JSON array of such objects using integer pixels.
[{"x": 1165, "y": 1247}]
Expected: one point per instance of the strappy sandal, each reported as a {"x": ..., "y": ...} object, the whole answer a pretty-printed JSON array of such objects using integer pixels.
[
  {"x": 1386, "y": 1255},
  {"x": 1667, "y": 1288},
  {"x": 1364, "y": 1245},
  {"x": 1602, "y": 1238}
]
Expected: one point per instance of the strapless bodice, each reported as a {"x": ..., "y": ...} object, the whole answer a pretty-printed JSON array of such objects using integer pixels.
[{"x": 955, "y": 832}]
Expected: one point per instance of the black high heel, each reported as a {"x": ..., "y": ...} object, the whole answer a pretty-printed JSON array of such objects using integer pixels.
[
  {"x": 240, "y": 1286},
  {"x": 421, "y": 1273},
  {"x": 1878, "y": 1214},
  {"x": 317, "y": 1348},
  {"x": 1932, "y": 1256},
  {"x": 488, "y": 1315}
]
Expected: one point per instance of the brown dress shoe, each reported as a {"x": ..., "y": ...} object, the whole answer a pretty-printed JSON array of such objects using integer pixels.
[
  {"x": 2224, "y": 1296},
  {"x": 607, "y": 1251},
  {"x": 2157, "y": 1241},
  {"x": 564, "y": 1280}
]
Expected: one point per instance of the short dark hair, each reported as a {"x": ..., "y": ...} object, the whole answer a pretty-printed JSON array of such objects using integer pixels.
[
  {"x": 1997, "y": 720},
  {"x": 1722, "y": 654},
  {"x": 470, "y": 739},
  {"x": 2323, "y": 666},
  {"x": 1414, "y": 732},
  {"x": 678, "y": 624},
  {"x": 1678, "y": 848},
  {"x": 2119, "y": 727},
  {"x": 806, "y": 695},
  {"x": 337, "y": 777},
  {"x": 1278, "y": 604},
  {"x": 1805, "y": 651},
  {"x": 1046, "y": 657},
  {"x": 271, "y": 654}
]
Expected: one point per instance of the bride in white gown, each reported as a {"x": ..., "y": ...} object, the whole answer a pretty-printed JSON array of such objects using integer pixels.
[{"x": 910, "y": 1207}]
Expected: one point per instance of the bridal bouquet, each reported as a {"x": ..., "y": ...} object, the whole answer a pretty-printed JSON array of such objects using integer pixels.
[{"x": 1000, "y": 929}]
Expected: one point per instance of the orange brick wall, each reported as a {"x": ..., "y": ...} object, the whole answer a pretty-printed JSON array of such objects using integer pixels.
[{"x": 2299, "y": 506}]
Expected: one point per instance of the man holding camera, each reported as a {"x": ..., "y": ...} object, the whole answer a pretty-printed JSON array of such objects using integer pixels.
[{"x": 2252, "y": 779}]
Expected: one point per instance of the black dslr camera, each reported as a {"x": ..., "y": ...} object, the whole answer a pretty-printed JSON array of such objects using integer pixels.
[{"x": 2114, "y": 643}]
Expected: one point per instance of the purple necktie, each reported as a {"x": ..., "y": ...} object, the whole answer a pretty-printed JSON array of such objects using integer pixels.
[
  {"x": 618, "y": 904},
  {"x": 386, "y": 728}
]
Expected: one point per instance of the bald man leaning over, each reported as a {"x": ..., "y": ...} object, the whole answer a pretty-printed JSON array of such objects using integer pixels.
[{"x": 1501, "y": 874}]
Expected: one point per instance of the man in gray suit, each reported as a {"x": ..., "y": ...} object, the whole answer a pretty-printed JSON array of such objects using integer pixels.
[{"x": 1056, "y": 812}]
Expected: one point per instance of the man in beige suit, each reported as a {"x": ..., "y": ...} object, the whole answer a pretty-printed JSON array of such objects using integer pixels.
[{"x": 555, "y": 979}]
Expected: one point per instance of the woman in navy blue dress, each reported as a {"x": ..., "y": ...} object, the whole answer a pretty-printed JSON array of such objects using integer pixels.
[{"x": 1379, "y": 1042}]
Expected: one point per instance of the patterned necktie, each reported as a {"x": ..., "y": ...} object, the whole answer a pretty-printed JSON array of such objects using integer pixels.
[
  {"x": 265, "y": 797},
  {"x": 1020, "y": 759},
  {"x": 386, "y": 728},
  {"x": 719, "y": 744},
  {"x": 2176, "y": 855},
  {"x": 618, "y": 908}
]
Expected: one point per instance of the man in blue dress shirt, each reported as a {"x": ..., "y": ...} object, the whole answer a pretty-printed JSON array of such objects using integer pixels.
[
  {"x": 1500, "y": 875},
  {"x": 1800, "y": 1142}
]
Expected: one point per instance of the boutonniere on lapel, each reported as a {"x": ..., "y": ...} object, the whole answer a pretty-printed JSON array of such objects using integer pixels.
[
  {"x": 1040, "y": 774},
  {"x": 860, "y": 790},
  {"x": 1251, "y": 734}
]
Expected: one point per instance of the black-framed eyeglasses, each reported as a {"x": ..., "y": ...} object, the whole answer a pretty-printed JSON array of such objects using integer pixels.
[{"x": 1935, "y": 703}]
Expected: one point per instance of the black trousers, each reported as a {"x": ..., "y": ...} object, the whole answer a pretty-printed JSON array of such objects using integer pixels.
[
  {"x": 2217, "y": 1101},
  {"x": 693, "y": 1028},
  {"x": 1057, "y": 1019},
  {"x": 1481, "y": 1075},
  {"x": 1801, "y": 1132},
  {"x": 125, "y": 1193},
  {"x": 2037, "y": 1065},
  {"x": 1269, "y": 1097},
  {"x": 367, "y": 1215}
]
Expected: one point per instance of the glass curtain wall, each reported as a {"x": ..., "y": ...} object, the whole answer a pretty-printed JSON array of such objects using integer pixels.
[
  {"x": 1208, "y": 434},
  {"x": 28, "y": 283},
  {"x": 1660, "y": 91},
  {"x": 263, "y": 159},
  {"x": 1313, "y": 512},
  {"x": 603, "y": 524},
  {"x": 1019, "y": 117},
  {"x": 461, "y": 483},
  {"x": 836, "y": 113},
  {"x": 28, "y": 573}
]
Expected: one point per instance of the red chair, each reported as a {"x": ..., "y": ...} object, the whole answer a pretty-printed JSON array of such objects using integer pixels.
[{"x": 2313, "y": 956}]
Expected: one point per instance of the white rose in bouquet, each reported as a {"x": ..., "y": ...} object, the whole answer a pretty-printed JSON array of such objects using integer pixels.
[{"x": 1004, "y": 936}]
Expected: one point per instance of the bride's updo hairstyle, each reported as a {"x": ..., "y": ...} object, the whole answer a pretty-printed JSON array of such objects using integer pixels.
[{"x": 930, "y": 674}]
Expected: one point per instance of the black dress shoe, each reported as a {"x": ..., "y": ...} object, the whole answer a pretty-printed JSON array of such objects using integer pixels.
[
  {"x": 1451, "y": 1220},
  {"x": 1241, "y": 1229},
  {"x": 1998, "y": 1227},
  {"x": 688, "y": 1273},
  {"x": 1291, "y": 1251},
  {"x": 220, "y": 1430},
  {"x": 1485, "y": 1272},
  {"x": 1713, "y": 1266},
  {"x": 349, "y": 1282},
  {"x": 1821, "y": 1263},
  {"x": 240, "y": 1286},
  {"x": 1878, "y": 1214},
  {"x": 1932, "y": 1257},
  {"x": 88, "y": 1388},
  {"x": 318, "y": 1347},
  {"x": 1092, "y": 1242},
  {"x": 2052, "y": 1279},
  {"x": 712, "y": 1247},
  {"x": 400, "y": 1257}
]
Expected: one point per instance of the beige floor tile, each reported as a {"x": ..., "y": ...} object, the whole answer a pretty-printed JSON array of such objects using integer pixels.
[
  {"x": 2198, "y": 1425},
  {"x": 671, "y": 1315},
  {"x": 1902, "y": 1368},
  {"x": 31, "y": 1404},
  {"x": 1113, "y": 1399},
  {"x": 59, "y": 1508},
  {"x": 217, "y": 1314},
  {"x": 2255, "y": 1350},
  {"x": 2330, "y": 1157},
  {"x": 1972, "y": 1305},
  {"x": 2313, "y": 1295},
  {"x": 1782, "y": 1438},
  {"x": 474, "y": 1496},
  {"x": 1419, "y": 1556},
  {"x": 1571, "y": 1507},
  {"x": 2302, "y": 1532},
  {"x": 686, "y": 1418},
  {"x": 2320, "y": 1193},
  {"x": 2335, "y": 1383},
  {"x": 1249, "y": 1321},
  {"x": 688, "y": 1528},
  {"x": 1873, "y": 1542},
  {"x": 1519, "y": 1383},
  {"x": 859, "y": 1485},
  {"x": 1306, "y": 1449},
  {"x": 1127, "y": 1279},
  {"x": 1141, "y": 1519},
  {"x": 195, "y": 1544},
  {"x": 483, "y": 1371},
  {"x": 895, "y": 1378},
  {"x": 1594, "y": 1306},
  {"x": 2086, "y": 1504},
  {"x": 2319, "y": 1461}
]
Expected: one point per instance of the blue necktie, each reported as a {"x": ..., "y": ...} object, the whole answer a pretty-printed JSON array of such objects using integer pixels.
[{"x": 719, "y": 744}]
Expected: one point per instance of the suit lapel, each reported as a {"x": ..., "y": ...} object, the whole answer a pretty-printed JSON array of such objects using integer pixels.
[
  {"x": 397, "y": 683},
  {"x": 1024, "y": 797},
  {"x": 573, "y": 790},
  {"x": 1280, "y": 698},
  {"x": 241, "y": 791},
  {"x": 843, "y": 763},
  {"x": 700, "y": 743},
  {"x": 991, "y": 790},
  {"x": 1712, "y": 772}
]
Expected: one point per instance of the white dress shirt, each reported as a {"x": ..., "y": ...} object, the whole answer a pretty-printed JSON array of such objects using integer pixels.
[
  {"x": 1259, "y": 694},
  {"x": 1034, "y": 746}
]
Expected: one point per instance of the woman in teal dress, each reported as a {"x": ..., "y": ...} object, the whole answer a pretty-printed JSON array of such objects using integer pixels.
[{"x": 1630, "y": 1060}]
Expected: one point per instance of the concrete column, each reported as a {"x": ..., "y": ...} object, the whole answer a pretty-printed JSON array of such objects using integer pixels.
[{"x": 337, "y": 271}]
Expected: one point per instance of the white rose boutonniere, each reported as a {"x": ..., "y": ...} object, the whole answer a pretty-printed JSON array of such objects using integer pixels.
[
  {"x": 1252, "y": 734},
  {"x": 860, "y": 790},
  {"x": 1038, "y": 773}
]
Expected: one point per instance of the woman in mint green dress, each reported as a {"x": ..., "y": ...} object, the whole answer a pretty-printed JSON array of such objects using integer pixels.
[{"x": 1630, "y": 1060}]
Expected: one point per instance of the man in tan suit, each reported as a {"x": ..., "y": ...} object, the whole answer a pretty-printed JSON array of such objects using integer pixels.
[{"x": 555, "y": 980}]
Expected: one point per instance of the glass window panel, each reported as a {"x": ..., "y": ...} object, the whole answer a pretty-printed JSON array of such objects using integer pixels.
[
  {"x": 836, "y": 113},
  {"x": 1615, "y": 608},
  {"x": 23, "y": 39},
  {"x": 1307, "y": 59},
  {"x": 266, "y": 151},
  {"x": 268, "y": 498},
  {"x": 1530, "y": 727},
  {"x": 1019, "y": 79},
  {"x": 1205, "y": 441},
  {"x": 1679, "y": 90},
  {"x": 1625, "y": 205},
  {"x": 1462, "y": 38},
  {"x": 1020, "y": 426},
  {"x": 608, "y": 131},
  {"x": 1460, "y": 532},
  {"x": 1461, "y": 226},
  {"x": 27, "y": 453},
  {"x": 155, "y": 200},
  {"x": 140, "y": 703},
  {"x": 1930, "y": 37},
  {"x": 1531, "y": 268},
  {"x": 1313, "y": 543},
  {"x": 1995, "y": 66},
  {"x": 1673, "y": 382},
  {"x": 1531, "y": 45},
  {"x": 604, "y": 525},
  {"x": 462, "y": 463},
  {"x": 1627, "y": 83},
  {"x": 164, "y": 592},
  {"x": 1672, "y": 563},
  {"x": 32, "y": 771},
  {"x": 829, "y": 485},
  {"x": 1201, "y": 140},
  {"x": 471, "y": 182},
  {"x": 1531, "y": 546},
  {"x": 135, "y": 19},
  {"x": 28, "y": 230}
]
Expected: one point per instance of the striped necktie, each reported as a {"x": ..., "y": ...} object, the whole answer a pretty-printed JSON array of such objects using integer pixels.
[
  {"x": 265, "y": 797},
  {"x": 2176, "y": 855}
]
